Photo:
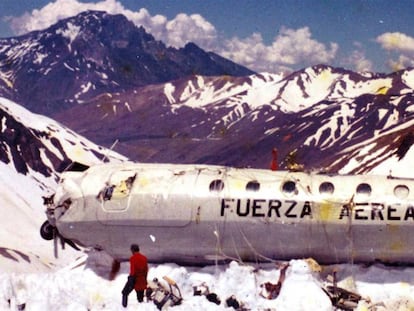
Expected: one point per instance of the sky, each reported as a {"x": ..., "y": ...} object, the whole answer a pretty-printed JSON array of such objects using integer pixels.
[{"x": 267, "y": 35}]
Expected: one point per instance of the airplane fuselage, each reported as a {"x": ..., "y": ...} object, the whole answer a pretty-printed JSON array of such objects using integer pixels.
[{"x": 199, "y": 213}]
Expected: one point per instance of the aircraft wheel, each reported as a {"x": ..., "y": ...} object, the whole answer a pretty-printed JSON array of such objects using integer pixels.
[{"x": 47, "y": 231}]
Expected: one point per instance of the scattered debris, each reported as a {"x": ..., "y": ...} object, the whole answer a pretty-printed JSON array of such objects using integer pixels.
[
  {"x": 271, "y": 291},
  {"x": 232, "y": 302},
  {"x": 203, "y": 290},
  {"x": 200, "y": 290},
  {"x": 340, "y": 297},
  {"x": 292, "y": 163},
  {"x": 163, "y": 296},
  {"x": 313, "y": 265},
  {"x": 212, "y": 297}
]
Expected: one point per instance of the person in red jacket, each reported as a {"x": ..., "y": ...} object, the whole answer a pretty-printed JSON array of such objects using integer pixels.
[
  {"x": 137, "y": 278},
  {"x": 273, "y": 164}
]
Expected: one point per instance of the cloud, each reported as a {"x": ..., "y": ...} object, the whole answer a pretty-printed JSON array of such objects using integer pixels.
[
  {"x": 359, "y": 62},
  {"x": 190, "y": 28},
  {"x": 174, "y": 33},
  {"x": 401, "y": 63},
  {"x": 357, "y": 59},
  {"x": 51, "y": 13},
  {"x": 400, "y": 44},
  {"x": 396, "y": 41},
  {"x": 290, "y": 49}
]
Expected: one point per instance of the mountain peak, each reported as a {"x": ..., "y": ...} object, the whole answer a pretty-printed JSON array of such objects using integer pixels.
[
  {"x": 95, "y": 19},
  {"x": 103, "y": 27},
  {"x": 93, "y": 53}
]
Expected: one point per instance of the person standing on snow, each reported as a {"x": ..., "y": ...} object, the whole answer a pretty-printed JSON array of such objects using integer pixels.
[{"x": 137, "y": 278}]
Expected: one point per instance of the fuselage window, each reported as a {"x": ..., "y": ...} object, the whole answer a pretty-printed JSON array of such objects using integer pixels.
[
  {"x": 326, "y": 188},
  {"x": 253, "y": 186},
  {"x": 289, "y": 187},
  {"x": 401, "y": 191},
  {"x": 217, "y": 185},
  {"x": 364, "y": 189}
]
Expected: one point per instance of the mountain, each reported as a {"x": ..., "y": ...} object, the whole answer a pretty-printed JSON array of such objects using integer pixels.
[
  {"x": 191, "y": 106},
  {"x": 31, "y": 143},
  {"x": 33, "y": 151},
  {"x": 84, "y": 56},
  {"x": 332, "y": 119}
]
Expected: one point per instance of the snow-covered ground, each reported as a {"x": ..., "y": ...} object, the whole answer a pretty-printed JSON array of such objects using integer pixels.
[{"x": 79, "y": 287}]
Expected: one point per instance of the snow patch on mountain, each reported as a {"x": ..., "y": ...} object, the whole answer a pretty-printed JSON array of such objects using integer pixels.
[
  {"x": 4, "y": 77},
  {"x": 408, "y": 78},
  {"x": 39, "y": 58},
  {"x": 76, "y": 147},
  {"x": 70, "y": 33},
  {"x": 169, "y": 89},
  {"x": 290, "y": 94},
  {"x": 205, "y": 93},
  {"x": 396, "y": 167}
]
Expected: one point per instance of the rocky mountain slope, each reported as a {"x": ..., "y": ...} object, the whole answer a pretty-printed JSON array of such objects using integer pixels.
[
  {"x": 160, "y": 104},
  {"x": 328, "y": 117},
  {"x": 94, "y": 52}
]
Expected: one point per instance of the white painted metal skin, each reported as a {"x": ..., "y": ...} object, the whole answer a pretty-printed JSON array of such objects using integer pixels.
[{"x": 199, "y": 213}]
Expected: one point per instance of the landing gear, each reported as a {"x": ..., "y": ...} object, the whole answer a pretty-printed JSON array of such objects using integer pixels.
[{"x": 47, "y": 231}]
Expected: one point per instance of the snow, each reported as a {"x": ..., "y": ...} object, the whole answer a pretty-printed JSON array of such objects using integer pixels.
[
  {"x": 71, "y": 32},
  {"x": 259, "y": 90},
  {"x": 320, "y": 84},
  {"x": 169, "y": 89},
  {"x": 288, "y": 95},
  {"x": 68, "y": 67},
  {"x": 39, "y": 58},
  {"x": 408, "y": 78},
  {"x": 400, "y": 168},
  {"x": 22, "y": 215},
  {"x": 6, "y": 80},
  {"x": 76, "y": 147},
  {"x": 86, "y": 87},
  {"x": 204, "y": 94},
  {"x": 83, "y": 286}
]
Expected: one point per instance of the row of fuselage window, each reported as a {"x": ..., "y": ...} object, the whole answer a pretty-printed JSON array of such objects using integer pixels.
[{"x": 325, "y": 188}]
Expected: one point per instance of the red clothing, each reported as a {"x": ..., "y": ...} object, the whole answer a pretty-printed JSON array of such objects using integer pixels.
[
  {"x": 139, "y": 268},
  {"x": 273, "y": 165}
]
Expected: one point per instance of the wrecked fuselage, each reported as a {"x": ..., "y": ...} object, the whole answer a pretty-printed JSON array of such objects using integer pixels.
[{"x": 200, "y": 213}]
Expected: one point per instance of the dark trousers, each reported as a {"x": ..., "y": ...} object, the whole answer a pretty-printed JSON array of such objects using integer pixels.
[
  {"x": 140, "y": 295},
  {"x": 128, "y": 288}
]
